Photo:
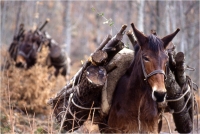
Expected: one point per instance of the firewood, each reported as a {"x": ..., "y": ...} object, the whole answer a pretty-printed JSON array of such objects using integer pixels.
[
  {"x": 98, "y": 58},
  {"x": 180, "y": 69},
  {"x": 110, "y": 46},
  {"x": 131, "y": 38},
  {"x": 86, "y": 93},
  {"x": 87, "y": 85},
  {"x": 171, "y": 49},
  {"x": 182, "y": 119},
  {"x": 45, "y": 23},
  {"x": 181, "y": 77}
]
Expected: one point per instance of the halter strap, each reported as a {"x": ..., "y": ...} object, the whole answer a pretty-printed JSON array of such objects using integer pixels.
[
  {"x": 25, "y": 55},
  {"x": 152, "y": 73},
  {"x": 29, "y": 53}
]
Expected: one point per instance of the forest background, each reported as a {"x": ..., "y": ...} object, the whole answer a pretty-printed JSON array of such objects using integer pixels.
[{"x": 80, "y": 26}]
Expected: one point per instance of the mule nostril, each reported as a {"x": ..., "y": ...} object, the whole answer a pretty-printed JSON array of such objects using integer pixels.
[{"x": 160, "y": 96}]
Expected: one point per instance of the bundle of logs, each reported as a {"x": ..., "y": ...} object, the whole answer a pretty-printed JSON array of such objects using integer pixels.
[
  {"x": 89, "y": 93},
  {"x": 25, "y": 46}
]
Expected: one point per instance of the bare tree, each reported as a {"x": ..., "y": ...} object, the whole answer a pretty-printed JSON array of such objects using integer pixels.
[
  {"x": 182, "y": 17},
  {"x": 67, "y": 23},
  {"x": 167, "y": 16},
  {"x": 18, "y": 15},
  {"x": 141, "y": 16}
]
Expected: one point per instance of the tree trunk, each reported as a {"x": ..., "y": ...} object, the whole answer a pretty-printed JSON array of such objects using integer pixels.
[
  {"x": 183, "y": 36},
  {"x": 141, "y": 16},
  {"x": 167, "y": 16},
  {"x": 158, "y": 16},
  {"x": 67, "y": 21}
]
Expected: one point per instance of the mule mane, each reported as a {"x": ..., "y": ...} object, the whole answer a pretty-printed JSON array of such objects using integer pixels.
[{"x": 155, "y": 44}]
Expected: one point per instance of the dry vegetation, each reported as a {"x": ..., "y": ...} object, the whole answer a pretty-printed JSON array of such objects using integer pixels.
[{"x": 26, "y": 92}]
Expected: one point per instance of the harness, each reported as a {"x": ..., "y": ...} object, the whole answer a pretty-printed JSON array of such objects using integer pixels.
[
  {"x": 20, "y": 52},
  {"x": 152, "y": 73}
]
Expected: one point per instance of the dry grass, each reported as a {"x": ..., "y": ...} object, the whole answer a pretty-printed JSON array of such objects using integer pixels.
[
  {"x": 24, "y": 94},
  {"x": 30, "y": 89}
]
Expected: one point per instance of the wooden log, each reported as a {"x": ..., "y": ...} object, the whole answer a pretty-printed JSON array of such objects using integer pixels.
[
  {"x": 113, "y": 51},
  {"x": 180, "y": 69},
  {"x": 88, "y": 84},
  {"x": 87, "y": 63},
  {"x": 45, "y": 23},
  {"x": 110, "y": 46},
  {"x": 181, "y": 78},
  {"x": 171, "y": 49},
  {"x": 85, "y": 94},
  {"x": 131, "y": 38},
  {"x": 181, "y": 116},
  {"x": 98, "y": 58}
]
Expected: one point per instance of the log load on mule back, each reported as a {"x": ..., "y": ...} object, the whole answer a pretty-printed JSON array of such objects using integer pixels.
[
  {"x": 58, "y": 58},
  {"x": 26, "y": 45},
  {"x": 143, "y": 91}
]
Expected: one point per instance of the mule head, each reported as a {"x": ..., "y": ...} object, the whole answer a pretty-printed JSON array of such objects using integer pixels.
[
  {"x": 27, "y": 50},
  {"x": 154, "y": 58}
]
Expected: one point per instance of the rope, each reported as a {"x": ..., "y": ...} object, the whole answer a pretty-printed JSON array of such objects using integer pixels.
[
  {"x": 172, "y": 100},
  {"x": 170, "y": 131},
  {"x": 184, "y": 106},
  {"x": 70, "y": 98},
  {"x": 190, "y": 83},
  {"x": 84, "y": 108}
]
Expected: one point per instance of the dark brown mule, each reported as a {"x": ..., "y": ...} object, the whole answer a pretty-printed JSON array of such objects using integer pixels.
[
  {"x": 134, "y": 107},
  {"x": 27, "y": 50}
]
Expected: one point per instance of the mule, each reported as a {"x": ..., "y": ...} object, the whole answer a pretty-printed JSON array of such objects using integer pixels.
[
  {"x": 138, "y": 92},
  {"x": 27, "y": 50}
]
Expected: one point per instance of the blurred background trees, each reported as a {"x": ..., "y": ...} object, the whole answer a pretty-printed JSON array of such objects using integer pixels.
[{"x": 79, "y": 29}]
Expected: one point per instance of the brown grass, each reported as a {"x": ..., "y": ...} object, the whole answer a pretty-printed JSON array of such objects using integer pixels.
[{"x": 32, "y": 88}]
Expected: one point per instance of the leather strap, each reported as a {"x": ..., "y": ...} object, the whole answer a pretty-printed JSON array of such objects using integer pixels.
[{"x": 152, "y": 73}]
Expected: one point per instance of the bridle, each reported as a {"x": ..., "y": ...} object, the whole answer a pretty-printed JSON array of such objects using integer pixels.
[
  {"x": 153, "y": 72},
  {"x": 20, "y": 52}
]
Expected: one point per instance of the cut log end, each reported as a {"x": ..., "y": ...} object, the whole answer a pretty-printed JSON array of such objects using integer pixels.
[
  {"x": 47, "y": 20},
  {"x": 180, "y": 57},
  {"x": 96, "y": 75},
  {"x": 99, "y": 57},
  {"x": 131, "y": 37},
  {"x": 123, "y": 28}
]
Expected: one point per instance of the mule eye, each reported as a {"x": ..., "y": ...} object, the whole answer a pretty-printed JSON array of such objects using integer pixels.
[{"x": 145, "y": 58}]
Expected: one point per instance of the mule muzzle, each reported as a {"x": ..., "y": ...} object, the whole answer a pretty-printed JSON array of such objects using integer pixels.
[
  {"x": 20, "y": 62},
  {"x": 159, "y": 96}
]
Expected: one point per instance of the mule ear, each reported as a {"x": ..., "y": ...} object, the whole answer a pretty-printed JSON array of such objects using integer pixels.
[
  {"x": 141, "y": 38},
  {"x": 169, "y": 38}
]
